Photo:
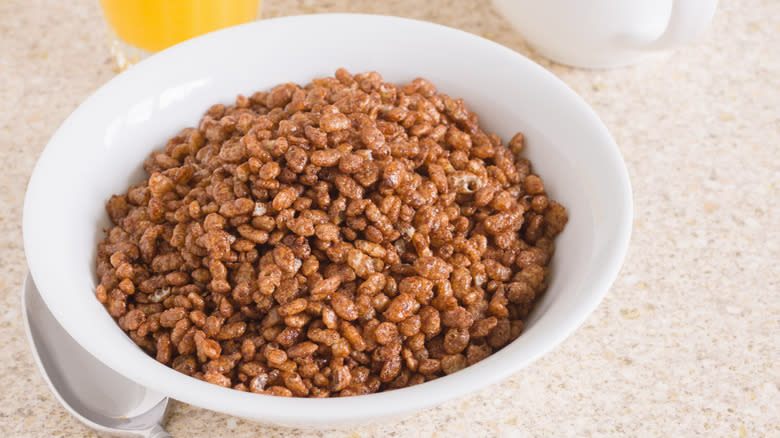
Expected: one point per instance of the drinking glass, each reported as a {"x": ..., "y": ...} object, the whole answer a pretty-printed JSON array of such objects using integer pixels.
[{"x": 139, "y": 28}]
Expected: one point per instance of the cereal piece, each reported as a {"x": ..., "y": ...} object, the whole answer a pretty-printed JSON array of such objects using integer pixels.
[
  {"x": 432, "y": 268},
  {"x": 385, "y": 333},
  {"x": 344, "y": 307},
  {"x": 457, "y": 317},
  {"x": 400, "y": 308}
]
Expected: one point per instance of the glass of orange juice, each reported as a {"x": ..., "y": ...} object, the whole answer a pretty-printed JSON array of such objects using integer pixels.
[{"x": 142, "y": 27}]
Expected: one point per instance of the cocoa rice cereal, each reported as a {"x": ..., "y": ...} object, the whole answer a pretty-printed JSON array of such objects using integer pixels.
[{"x": 342, "y": 238}]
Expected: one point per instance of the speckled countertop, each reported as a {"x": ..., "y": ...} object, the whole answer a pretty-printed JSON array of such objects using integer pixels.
[{"x": 685, "y": 344}]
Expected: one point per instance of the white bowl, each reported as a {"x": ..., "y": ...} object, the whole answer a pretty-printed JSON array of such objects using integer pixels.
[{"x": 99, "y": 149}]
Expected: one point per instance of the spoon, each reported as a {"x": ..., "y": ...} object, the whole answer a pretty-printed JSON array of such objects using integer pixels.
[{"x": 95, "y": 394}]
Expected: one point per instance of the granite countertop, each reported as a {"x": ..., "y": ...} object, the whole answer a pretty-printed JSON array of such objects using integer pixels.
[{"x": 686, "y": 342}]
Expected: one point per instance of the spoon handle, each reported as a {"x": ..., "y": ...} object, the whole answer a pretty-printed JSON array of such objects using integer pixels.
[{"x": 157, "y": 432}]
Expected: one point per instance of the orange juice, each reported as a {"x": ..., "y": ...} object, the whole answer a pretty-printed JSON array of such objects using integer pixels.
[{"x": 153, "y": 25}]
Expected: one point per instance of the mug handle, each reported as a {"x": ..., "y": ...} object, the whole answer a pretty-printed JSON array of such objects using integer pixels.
[{"x": 688, "y": 20}]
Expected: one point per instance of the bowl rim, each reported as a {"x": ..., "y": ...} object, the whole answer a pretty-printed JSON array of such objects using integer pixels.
[{"x": 320, "y": 411}]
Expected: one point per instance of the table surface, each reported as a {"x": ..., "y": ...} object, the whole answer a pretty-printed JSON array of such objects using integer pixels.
[{"x": 686, "y": 341}]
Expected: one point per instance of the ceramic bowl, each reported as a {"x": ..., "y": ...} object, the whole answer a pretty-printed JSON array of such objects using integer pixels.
[{"x": 99, "y": 149}]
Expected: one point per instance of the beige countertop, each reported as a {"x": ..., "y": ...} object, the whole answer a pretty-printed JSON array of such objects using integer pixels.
[{"x": 686, "y": 342}]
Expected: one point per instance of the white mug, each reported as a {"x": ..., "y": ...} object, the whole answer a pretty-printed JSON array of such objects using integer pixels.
[{"x": 606, "y": 33}]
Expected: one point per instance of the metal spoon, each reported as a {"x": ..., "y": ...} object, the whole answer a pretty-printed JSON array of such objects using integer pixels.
[{"x": 95, "y": 394}]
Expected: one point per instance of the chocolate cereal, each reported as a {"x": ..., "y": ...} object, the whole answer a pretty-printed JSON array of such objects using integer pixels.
[{"x": 342, "y": 238}]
